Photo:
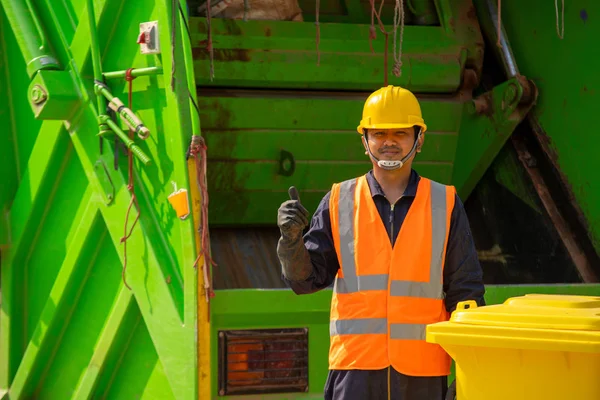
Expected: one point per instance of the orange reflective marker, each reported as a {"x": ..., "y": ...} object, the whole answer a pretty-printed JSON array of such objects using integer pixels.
[{"x": 179, "y": 201}]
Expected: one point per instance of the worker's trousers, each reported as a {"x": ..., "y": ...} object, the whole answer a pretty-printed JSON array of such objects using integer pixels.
[{"x": 383, "y": 385}]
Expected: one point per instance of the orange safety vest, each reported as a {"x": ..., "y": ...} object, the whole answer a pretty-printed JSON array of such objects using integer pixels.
[{"x": 384, "y": 297}]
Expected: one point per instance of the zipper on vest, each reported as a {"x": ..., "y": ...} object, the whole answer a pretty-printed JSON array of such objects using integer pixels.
[
  {"x": 389, "y": 392},
  {"x": 392, "y": 223}
]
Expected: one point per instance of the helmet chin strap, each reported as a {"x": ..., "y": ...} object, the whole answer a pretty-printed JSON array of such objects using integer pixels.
[{"x": 391, "y": 165}]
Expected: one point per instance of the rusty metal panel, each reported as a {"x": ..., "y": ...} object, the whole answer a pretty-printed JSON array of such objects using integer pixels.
[{"x": 246, "y": 258}]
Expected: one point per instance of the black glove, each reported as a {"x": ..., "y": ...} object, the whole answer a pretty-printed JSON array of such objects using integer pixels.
[
  {"x": 451, "y": 394},
  {"x": 292, "y": 218}
]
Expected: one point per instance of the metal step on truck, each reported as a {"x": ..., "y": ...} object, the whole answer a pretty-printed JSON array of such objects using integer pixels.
[{"x": 145, "y": 147}]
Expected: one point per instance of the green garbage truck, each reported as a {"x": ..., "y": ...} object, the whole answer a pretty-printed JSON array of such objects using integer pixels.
[{"x": 146, "y": 146}]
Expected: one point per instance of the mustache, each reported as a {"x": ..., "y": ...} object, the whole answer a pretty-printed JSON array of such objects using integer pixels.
[{"x": 386, "y": 148}]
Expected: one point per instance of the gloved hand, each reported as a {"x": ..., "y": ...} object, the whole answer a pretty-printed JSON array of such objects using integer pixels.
[
  {"x": 292, "y": 217},
  {"x": 451, "y": 394}
]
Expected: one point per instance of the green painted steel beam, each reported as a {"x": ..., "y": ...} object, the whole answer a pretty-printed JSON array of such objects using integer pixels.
[
  {"x": 34, "y": 193},
  {"x": 277, "y": 54},
  {"x": 31, "y": 36},
  {"x": 147, "y": 279},
  {"x": 89, "y": 382},
  {"x": 161, "y": 252},
  {"x": 565, "y": 116},
  {"x": 57, "y": 308},
  {"x": 283, "y": 54},
  {"x": 486, "y": 124},
  {"x": 53, "y": 95}
]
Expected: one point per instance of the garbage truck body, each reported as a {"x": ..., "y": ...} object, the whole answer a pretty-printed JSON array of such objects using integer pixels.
[{"x": 147, "y": 145}]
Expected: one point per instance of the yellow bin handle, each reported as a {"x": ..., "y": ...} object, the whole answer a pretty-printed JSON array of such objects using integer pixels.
[{"x": 465, "y": 305}]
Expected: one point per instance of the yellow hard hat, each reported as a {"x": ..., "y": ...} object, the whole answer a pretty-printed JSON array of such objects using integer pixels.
[{"x": 391, "y": 107}]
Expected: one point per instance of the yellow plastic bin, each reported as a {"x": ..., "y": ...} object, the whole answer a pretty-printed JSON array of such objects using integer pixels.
[{"x": 533, "y": 347}]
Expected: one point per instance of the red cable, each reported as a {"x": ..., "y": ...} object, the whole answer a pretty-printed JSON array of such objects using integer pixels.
[{"x": 130, "y": 185}]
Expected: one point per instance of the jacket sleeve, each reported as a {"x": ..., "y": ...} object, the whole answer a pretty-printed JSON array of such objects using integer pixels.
[
  {"x": 319, "y": 243},
  {"x": 463, "y": 276}
]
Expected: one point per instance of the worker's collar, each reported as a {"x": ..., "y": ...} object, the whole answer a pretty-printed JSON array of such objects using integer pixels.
[{"x": 411, "y": 188}]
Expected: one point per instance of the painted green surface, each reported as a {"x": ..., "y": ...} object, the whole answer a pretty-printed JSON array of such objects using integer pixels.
[
  {"x": 245, "y": 136},
  {"x": 250, "y": 309},
  {"x": 481, "y": 139},
  {"x": 69, "y": 327},
  {"x": 281, "y": 54},
  {"x": 565, "y": 72},
  {"x": 248, "y": 129},
  {"x": 264, "y": 309},
  {"x": 18, "y": 134}
]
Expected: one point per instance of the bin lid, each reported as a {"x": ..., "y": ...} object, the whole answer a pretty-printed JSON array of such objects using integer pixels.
[{"x": 535, "y": 311}]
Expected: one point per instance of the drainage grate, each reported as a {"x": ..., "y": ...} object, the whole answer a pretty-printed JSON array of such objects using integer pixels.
[{"x": 263, "y": 361}]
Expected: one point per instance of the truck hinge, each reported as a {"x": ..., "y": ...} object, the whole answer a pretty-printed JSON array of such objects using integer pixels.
[{"x": 487, "y": 122}]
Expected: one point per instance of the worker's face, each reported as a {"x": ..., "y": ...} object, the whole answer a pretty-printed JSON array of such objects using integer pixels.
[{"x": 392, "y": 144}]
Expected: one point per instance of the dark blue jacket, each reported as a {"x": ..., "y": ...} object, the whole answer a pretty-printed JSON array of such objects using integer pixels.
[{"x": 463, "y": 280}]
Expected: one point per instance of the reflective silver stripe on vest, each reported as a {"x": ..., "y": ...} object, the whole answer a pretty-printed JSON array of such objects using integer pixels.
[
  {"x": 346, "y": 233},
  {"x": 433, "y": 289},
  {"x": 365, "y": 282},
  {"x": 438, "y": 238},
  {"x": 352, "y": 283},
  {"x": 407, "y": 331},
  {"x": 358, "y": 326}
]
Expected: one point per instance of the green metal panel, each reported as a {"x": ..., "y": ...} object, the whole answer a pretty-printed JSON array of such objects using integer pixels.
[
  {"x": 283, "y": 54},
  {"x": 273, "y": 117},
  {"x": 565, "y": 70},
  {"x": 258, "y": 309},
  {"x": 264, "y": 309},
  {"x": 246, "y": 133},
  {"x": 18, "y": 134},
  {"x": 69, "y": 327}
]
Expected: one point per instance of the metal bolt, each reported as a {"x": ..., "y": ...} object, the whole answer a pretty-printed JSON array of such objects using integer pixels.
[
  {"x": 510, "y": 94},
  {"x": 38, "y": 94},
  {"x": 221, "y": 392},
  {"x": 479, "y": 105}
]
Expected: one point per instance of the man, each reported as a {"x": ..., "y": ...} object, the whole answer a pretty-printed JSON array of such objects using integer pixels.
[{"x": 397, "y": 248}]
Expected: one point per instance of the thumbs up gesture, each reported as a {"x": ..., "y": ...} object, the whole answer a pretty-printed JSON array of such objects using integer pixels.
[{"x": 292, "y": 217}]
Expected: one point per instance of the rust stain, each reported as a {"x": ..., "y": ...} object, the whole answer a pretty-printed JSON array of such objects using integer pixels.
[
  {"x": 267, "y": 31},
  {"x": 231, "y": 26},
  {"x": 201, "y": 53},
  {"x": 471, "y": 12},
  {"x": 201, "y": 27},
  {"x": 213, "y": 114},
  {"x": 226, "y": 179},
  {"x": 563, "y": 228}
]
